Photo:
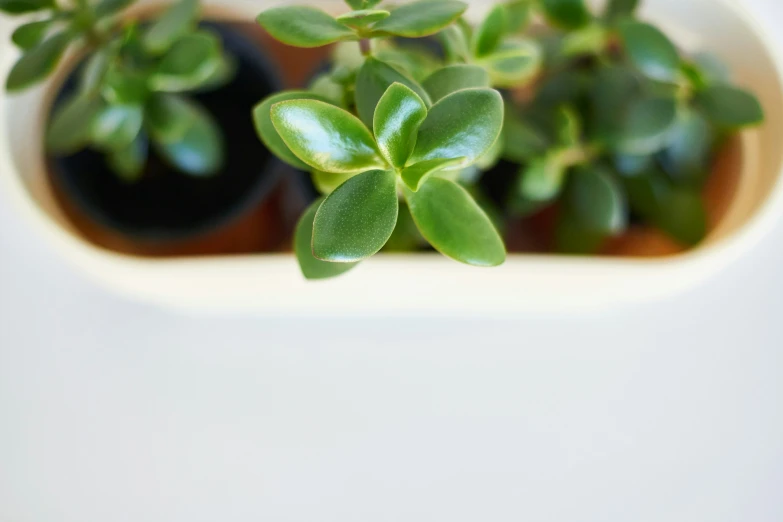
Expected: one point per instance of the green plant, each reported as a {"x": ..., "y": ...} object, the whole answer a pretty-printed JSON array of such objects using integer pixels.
[
  {"x": 386, "y": 133},
  {"x": 619, "y": 125},
  {"x": 132, "y": 88}
]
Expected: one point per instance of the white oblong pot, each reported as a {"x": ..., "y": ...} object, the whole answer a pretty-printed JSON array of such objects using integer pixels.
[{"x": 403, "y": 284}]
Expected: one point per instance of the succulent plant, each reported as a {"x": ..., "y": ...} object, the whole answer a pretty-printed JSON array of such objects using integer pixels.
[{"x": 132, "y": 89}]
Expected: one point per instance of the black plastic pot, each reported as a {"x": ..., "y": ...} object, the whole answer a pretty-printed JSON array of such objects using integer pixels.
[{"x": 167, "y": 206}]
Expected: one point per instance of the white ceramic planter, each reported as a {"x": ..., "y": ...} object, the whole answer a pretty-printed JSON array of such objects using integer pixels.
[{"x": 413, "y": 283}]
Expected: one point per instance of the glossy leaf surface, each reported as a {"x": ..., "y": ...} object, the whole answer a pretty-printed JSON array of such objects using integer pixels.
[
  {"x": 363, "y": 18},
  {"x": 326, "y": 137},
  {"x": 414, "y": 175},
  {"x": 311, "y": 267},
  {"x": 451, "y": 220},
  {"x": 357, "y": 219},
  {"x": 303, "y": 26},
  {"x": 398, "y": 116},
  {"x": 374, "y": 78},
  {"x": 454, "y": 78}
]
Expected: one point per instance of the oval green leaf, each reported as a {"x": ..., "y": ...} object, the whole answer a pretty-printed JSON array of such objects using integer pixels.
[
  {"x": 451, "y": 220},
  {"x": 648, "y": 125},
  {"x": 542, "y": 179},
  {"x": 374, "y": 78},
  {"x": 356, "y": 220},
  {"x": 729, "y": 107},
  {"x": 490, "y": 32},
  {"x": 267, "y": 132},
  {"x": 128, "y": 162},
  {"x": 110, "y": 7},
  {"x": 514, "y": 63},
  {"x": 596, "y": 201},
  {"x": 30, "y": 34},
  {"x": 398, "y": 116},
  {"x": 311, "y": 267},
  {"x": 464, "y": 124},
  {"x": 617, "y": 9},
  {"x": 415, "y": 175},
  {"x": 689, "y": 154},
  {"x": 419, "y": 19},
  {"x": 454, "y": 78},
  {"x": 567, "y": 14},
  {"x": 15, "y": 7},
  {"x": 189, "y": 63},
  {"x": 69, "y": 129},
  {"x": 363, "y": 18},
  {"x": 303, "y": 26},
  {"x": 199, "y": 151},
  {"x": 175, "y": 22},
  {"x": 650, "y": 50},
  {"x": 362, "y": 4},
  {"x": 37, "y": 63},
  {"x": 326, "y": 137},
  {"x": 116, "y": 126}
]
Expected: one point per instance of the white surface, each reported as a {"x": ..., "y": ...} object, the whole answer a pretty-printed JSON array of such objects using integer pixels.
[{"x": 112, "y": 411}]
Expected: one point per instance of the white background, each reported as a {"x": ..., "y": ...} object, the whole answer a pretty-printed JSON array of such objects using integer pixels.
[{"x": 113, "y": 411}]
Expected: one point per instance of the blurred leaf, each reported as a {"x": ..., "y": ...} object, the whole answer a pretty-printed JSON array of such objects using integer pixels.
[
  {"x": 591, "y": 39},
  {"x": 15, "y": 7},
  {"x": 375, "y": 77},
  {"x": 125, "y": 87},
  {"x": 362, "y": 18},
  {"x": 417, "y": 61},
  {"x": 650, "y": 50},
  {"x": 451, "y": 220},
  {"x": 110, "y": 7},
  {"x": 398, "y": 116},
  {"x": 325, "y": 87},
  {"x": 490, "y": 32},
  {"x": 326, "y": 137},
  {"x": 37, "y": 63},
  {"x": 682, "y": 216},
  {"x": 513, "y": 63},
  {"x": 463, "y": 124},
  {"x": 116, "y": 126},
  {"x": 617, "y": 9},
  {"x": 406, "y": 237},
  {"x": 562, "y": 87},
  {"x": 311, "y": 267},
  {"x": 613, "y": 90},
  {"x": 94, "y": 70},
  {"x": 362, "y": 4},
  {"x": 632, "y": 165},
  {"x": 572, "y": 238},
  {"x": 190, "y": 62},
  {"x": 423, "y": 18},
  {"x": 174, "y": 23},
  {"x": 455, "y": 78},
  {"x": 596, "y": 201},
  {"x": 713, "y": 70},
  {"x": 518, "y": 14},
  {"x": 199, "y": 151},
  {"x": 648, "y": 125},
  {"x": 68, "y": 131},
  {"x": 522, "y": 141},
  {"x": 355, "y": 221},
  {"x": 688, "y": 156},
  {"x": 267, "y": 132},
  {"x": 224, "y": 73},
  {"x": 729, "y": 107},
  {"x": 128, "y": 162},
  {"x": 30, "y": 34},
  {"x": 303, "y": 26},
  {"x": 455, "y": 43},
  {"x": 646, "y": 193},
  {"x": 326, "y": 183},
  {"x": 542, "y": 178},
  {"x": 568, "y": 126},
  {"x": 567, "y": 14}
]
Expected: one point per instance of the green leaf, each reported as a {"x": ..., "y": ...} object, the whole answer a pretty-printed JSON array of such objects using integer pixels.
[
  {"x": 451, "y": 220},
  {"x": 303, "y": 26},
  {"x": 567, "y": 14},
  {"x": 514, "y": 63},
  {"x": 683, "y": 216},
  {"x": 596, "y": 201},
  {"x": 729, "y": 107},
  {"x": 326, "y": 137},
  {"x": 398, "y": 116},
  {"x": 25, "y": 6},
  {"x": 542, "y": 179},
  {"x": 518, "y": 16},
  {"x": 591, "y": 39},
  {"x": 168, "y": 116},
  {"x": 616, "y": 9},
  {"x": 463, "y": 124},
  {"x": 313, "y": 268},
  {"x": 415, "y": 175},
  {"x": 490, "y": 33},
  {"x": 68, "y": 131},
  {"x": 455, "y": 43},
  {"x": 356, "y": 220},
  {"x": 374, "y": 78},
  {"x": 416, "y": 61},
  {"x": 328, "y": 90},
  {"x": 522, "y": 141},
  {"x": 363, "y": 18},
  {"x": 648, "y": 125},
  {"x": 267, "y": 132},
  {"x": 406, "y": 237},
  {"x": 94, "y": 70},
  {"x": 128, "y": 162},
  {"x": 646, "y": 192},
  {"x": 174, "y": 23},
  {"x": 419, "y": 19},
  {"x": 362, "y": 4},
  {"x": 116, "y": 126},
  {"x": 37, "y": 63},
  {"x": 568, "y": 127},
  {"x": 326, "y": 182},
  {"x": 454, "y": 78},
  {"x": 125, "y": 87},
  {"x": 631, "y": 164},
  {"x": 199, "y": 150},
  {"x": 189, "y": 63},
  {"x": 30, "y": 34},
  {"x": 572, "y": 238},
  {"x": 613, "y": 89},
  {"x": 110, "y": 7},
  {"x": 650, "y": 50},
  {"x": 687, "y": 158}
]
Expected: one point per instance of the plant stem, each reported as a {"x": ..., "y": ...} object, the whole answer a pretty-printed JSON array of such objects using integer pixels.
[{"x": 364, "y": 46}]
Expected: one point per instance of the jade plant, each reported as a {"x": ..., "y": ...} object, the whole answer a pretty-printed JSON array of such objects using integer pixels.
[
  {"x": 618, "y": 127},
  {"x": 133, "y": 87},
  {"x": 390, "y": 129}
]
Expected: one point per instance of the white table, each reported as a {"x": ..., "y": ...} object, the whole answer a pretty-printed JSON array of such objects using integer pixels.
[{"x": 112, "y": 411}]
